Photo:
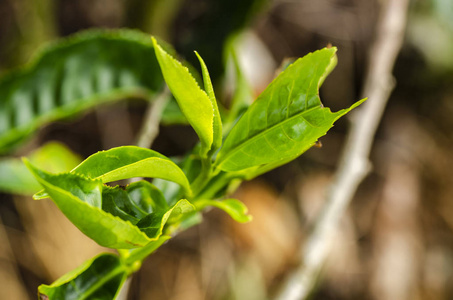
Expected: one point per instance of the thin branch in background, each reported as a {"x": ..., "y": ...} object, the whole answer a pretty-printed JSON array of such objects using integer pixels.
[
  {"x": 354, "y": 164},
  {"x": 153, "y": 115},
  {"x": 145, "y": 139}
]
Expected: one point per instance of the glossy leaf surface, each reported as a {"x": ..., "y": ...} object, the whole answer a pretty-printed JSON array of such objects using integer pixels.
[
  {"x": 73, "y": 75},
  {"x": 98, "y": 278},
  {"x": 80, "y": 200},
  {"x": 286, "y": 119},
  {"x": 131, "y": 161},
  {"x": 193, "y": 101},
  {"x": 235, "y": 208}
]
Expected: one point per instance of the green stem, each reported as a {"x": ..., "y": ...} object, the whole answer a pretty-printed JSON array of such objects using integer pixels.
[
  {"x": 216, "y": 184},
  {"x": 204, "y": 177},
  {"x": 134, "y": 257}
]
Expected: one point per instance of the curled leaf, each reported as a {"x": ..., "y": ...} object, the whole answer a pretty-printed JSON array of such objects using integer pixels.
[{"x": 235, "y": 208}]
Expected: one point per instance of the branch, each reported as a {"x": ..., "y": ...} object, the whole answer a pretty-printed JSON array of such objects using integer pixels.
[
  {"x": 146, "y": 137},
  {"x": 153, "y": 115},
  {"x": 354, "y": 164}
]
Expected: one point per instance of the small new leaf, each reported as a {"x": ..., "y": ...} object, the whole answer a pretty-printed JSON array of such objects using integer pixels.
[
  {"x": 217, "y": 122},
  {"x": 235, "y": 208},
  {"x": 193, "y": 101}
]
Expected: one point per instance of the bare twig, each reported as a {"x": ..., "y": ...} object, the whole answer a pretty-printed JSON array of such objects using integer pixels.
[
  {"x": 354, "y": 164},
  {"x": 150, "y": 125},
  {"x": 146, "y": 137}
]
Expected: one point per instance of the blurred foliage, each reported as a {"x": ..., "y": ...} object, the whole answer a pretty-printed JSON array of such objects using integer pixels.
[{"x": 397, "y": 238}]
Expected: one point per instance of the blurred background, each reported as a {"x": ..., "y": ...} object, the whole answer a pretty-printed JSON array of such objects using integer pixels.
[{"x": 396, "y": 240}]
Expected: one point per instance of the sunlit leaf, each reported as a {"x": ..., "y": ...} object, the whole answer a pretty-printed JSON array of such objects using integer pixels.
[
  {"x": 286, "y": 119},
  {"x": 80, "y": 200},
  {"x": 235, "y": 208},
  {"x": 217, "y": 122},
  {"x": 193, "y": 101}
]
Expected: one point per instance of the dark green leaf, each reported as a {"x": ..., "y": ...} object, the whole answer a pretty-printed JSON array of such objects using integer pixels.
[
  {"x": 192, "y": 100},
  {"x": 134, "y": 202},
  {"x": 73, "y": 75},
  {"x": 117, "y": 202},
  {"x": 285, "y": 120},
  {"x": 99, "y": 278},
  {"x": 153, "y": 224},
  {"x": 148, "y": 197}
]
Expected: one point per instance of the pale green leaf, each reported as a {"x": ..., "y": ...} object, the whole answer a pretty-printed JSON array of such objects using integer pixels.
[
  {"x": 53, "y": 157},
  {"x": 193, "y": 101},
  {"x": 217, "y": 122},
  {"x": 235, "y": 208}
]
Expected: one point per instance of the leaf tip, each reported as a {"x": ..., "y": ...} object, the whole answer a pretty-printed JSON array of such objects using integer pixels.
[{"x": 33, "y": 169}]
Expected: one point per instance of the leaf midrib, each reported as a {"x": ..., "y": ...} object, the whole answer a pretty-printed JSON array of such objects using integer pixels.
[
  {"x": 185, "y": 185},
  {"x": 104, "y": 279},
  {"x": 95, "y": 208},
  {"x": 259, "y": 134}
]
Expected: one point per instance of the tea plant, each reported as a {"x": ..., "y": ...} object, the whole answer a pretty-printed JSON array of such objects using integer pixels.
[{"x": 283, "y": 122}]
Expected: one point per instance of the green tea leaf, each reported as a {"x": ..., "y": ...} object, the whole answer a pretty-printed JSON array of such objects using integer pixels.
[
  {"x": 235, "y": 208},
  {"x": 286, "y": 119},
  {"x": 217, "y": 122},
  {"x": 134, "y": 202},
  {"x": 73, "y": 75},
  {"x": 80, "y": 200},
  {"x": 153, "y": 224},
  {"x": 98, "y": 278},
  {"x": 117, "y": 202},
  {"x": 131, "y": 161},
  {"x": 193, "y": 101},
  {"x": 16, "y": 178},
  {"x": 148, "y": 197}
]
